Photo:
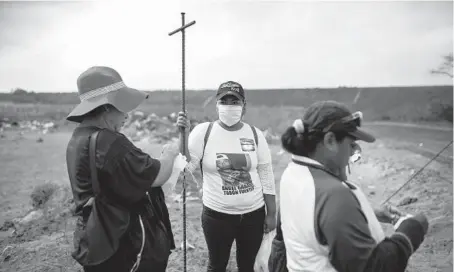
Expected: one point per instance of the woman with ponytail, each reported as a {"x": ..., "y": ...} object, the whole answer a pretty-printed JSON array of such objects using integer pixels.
[{"x": 326, "y": 224}]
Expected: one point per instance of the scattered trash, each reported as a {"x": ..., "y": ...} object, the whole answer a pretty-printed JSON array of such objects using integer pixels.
[
  {"x": 34, "y": 125},
  {"x": 355, "y": 157},
  {"x": 139, "y": 126},
  {"x": 6, "y": 253},
  {"x": 31, "y": 216},
  {"x": 179, "y": 198},
  {"x": 188, "y": 245},
  {"x": 407, "y": 200},
  {"x": 271, "y": 137},
  {"x": 8, "y": 224},
  {"x": 158, "y": 129},
  {"x": 49, "y": 125}
]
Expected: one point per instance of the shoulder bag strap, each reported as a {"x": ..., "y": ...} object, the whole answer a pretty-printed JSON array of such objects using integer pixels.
[{"x": 92, "y": 156}]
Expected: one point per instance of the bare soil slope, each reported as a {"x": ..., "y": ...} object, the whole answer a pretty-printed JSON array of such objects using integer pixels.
[{"x": 45, "y": 244}]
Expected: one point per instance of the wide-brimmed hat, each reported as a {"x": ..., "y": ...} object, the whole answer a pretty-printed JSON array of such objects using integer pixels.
[{"x": 100, "y": 85}]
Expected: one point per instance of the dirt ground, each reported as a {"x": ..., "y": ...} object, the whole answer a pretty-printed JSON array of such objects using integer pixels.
[{"x": 45, "y": 244}]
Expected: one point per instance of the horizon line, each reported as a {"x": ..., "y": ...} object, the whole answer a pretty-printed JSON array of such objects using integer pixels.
[{"x": 246, "y": 89}]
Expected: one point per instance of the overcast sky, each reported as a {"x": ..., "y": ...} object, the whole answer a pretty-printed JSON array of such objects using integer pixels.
[{"x": 44, "y": 46}]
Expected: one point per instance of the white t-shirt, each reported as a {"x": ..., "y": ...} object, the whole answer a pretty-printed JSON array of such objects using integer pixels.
[{"x": 231, "y": 183}]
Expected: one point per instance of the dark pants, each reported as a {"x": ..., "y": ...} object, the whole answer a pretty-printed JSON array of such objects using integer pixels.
[{"x": 222, "y": 229}]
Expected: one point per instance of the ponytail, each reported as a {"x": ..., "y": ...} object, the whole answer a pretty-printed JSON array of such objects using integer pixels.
[{"x": 297, "y": 141}]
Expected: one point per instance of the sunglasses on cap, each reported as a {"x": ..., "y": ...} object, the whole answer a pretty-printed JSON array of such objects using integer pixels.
[{"x": 348, "y": 123}]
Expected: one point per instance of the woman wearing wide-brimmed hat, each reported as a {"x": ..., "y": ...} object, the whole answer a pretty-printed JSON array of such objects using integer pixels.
[{"x": 123, "y": 222}]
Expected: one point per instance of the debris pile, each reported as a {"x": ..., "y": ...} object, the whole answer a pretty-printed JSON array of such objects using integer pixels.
[
  {"x": 139, "y": 126},
  {"x": 163, "y": 129},
  {"x": 44, "y": 127},
  {"x": 271, "y": 137},
  {"x": 51, "y": 204},
  {"x": 158, "y": 129}
]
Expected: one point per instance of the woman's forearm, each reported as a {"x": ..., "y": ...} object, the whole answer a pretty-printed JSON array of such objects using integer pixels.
[
  {"x": 165, "y": 170},
  {"x": 270, "y": 202},
  {"x": 266, "y": 176}
]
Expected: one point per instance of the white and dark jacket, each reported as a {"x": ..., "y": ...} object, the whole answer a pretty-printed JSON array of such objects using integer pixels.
[{"x": 328, "y": 225}]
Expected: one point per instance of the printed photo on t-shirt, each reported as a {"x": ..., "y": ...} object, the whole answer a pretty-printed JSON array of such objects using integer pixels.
[
  {"x": 234, "y": 171},
  {"x": 247, "y": 145}
]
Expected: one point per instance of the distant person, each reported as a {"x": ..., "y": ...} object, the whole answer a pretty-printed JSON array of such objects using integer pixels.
[
  {"x": 119, "y": 202},
  {"x": 238, "y": 181},
  {"x": 324, "y": 222}
]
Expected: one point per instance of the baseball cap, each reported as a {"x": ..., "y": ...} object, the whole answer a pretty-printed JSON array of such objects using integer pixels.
[
  {"x": 335, "y": 116},
  {"x": 230, "y": 88}
]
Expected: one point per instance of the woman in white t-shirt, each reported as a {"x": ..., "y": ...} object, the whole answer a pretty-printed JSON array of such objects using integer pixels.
[{"x": 238, "y": 181}]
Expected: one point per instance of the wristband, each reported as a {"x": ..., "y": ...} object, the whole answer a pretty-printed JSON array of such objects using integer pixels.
[{"x": 401, "y": 219}]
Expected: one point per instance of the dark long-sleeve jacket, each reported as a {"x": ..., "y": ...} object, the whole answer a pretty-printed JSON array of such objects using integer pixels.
[{"x": 125, "y": 175}]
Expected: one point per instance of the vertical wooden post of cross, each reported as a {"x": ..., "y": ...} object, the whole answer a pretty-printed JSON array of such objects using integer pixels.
[{"x": 183, "y": 136}]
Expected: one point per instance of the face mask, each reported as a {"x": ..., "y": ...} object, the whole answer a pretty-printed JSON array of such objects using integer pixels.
[{"x": 230, "y": 114}]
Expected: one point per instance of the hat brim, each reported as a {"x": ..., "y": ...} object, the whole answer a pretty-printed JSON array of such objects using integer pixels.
[
  {"x": 237, "y": 95},
  {"x": 125, "y": 100},
  {"x": 360, "y": 134}
]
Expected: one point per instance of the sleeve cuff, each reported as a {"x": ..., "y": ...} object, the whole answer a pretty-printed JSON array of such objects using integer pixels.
[
  {"x": 413, "y": 231},
  {"x": 193, "y": 164},
  {"x": 266, "y": 176}
]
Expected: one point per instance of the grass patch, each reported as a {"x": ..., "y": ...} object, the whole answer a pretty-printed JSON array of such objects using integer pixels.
[{"x": 42, "y": 193}]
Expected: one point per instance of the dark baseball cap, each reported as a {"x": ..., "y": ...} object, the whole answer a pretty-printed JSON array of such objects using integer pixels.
[
  {"x": 231, "y": 88},
  {"x": 335, "y": 116}
]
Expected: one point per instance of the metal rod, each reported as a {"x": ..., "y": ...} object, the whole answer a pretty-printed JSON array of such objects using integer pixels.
[
  {"x": 183, "y": 136},
  {"x": 420, "y": 170},
  {"x": 183, "y": 65}
]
